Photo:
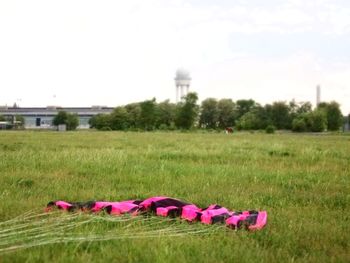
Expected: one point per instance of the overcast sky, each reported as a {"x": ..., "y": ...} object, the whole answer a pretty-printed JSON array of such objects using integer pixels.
[{"x": 83, "y": 53}]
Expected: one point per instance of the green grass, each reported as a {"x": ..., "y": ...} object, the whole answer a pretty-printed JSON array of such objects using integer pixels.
[{"x": 303, "y": 181}]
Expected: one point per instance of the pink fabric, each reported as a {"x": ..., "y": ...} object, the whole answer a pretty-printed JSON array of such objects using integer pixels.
[
  {"x": 235, "y": 219},
  {"x": 209, "y": 213},
  {"x": 260, "y": 221},
  {"x": 147, "y": 203},
  {"x": 189, "y": 212},
  {"x": 122, "y": 207},
  {"x": 100, "y": 205},
  {"x": 163, "y": 211},
  {"x": 64, "y": 205}
]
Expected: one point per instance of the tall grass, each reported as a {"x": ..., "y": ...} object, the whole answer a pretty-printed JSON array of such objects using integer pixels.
[{"x": 303, "y": 181}]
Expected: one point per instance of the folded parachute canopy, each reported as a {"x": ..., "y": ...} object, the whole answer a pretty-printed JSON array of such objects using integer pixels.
[{"x": 171, "y": 207}]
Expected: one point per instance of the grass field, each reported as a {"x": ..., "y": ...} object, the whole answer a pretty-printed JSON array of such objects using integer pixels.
[{"x": 303, "y": 181}]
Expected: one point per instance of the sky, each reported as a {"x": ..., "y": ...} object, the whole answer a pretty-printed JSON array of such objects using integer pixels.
[{"x": 84, "y": 53}]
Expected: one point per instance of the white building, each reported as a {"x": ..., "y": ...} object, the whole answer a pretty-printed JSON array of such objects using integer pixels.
[{"x": 41, "y": 118}]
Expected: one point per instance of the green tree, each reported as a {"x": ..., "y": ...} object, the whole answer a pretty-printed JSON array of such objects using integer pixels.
[
  {"x": 299, "y": 124},
  {"x": 209, "y": 116},
  {"x": 280, "y": 115},
  {"x": 263, "y": 116},
  {"x": 101, "y": 121},
  {"x": 226, "y": 113},
  {"x": 334, "y": 115},
  {"x": 134, "y": 113},
  {"x": 70, "y": 120},
  {"x": 2, "y": 118},
  {"x": 148, "y": 114},
  {"x": 119, "y": 119},
  {"x": 304, "y": 107},
  {"x": 248, "y": 121},
  {"x": 317, "y": 120},
  {"x": 298, "y": 108},
  {"x": 257, "y": 118},
  {"x": 187, "y": 111},
  {"x": 60, "y": 118},
  {"x": 166, "y": 113},
  {"x": 243, "y": 106},
  {"x": 270, "y": 129}
]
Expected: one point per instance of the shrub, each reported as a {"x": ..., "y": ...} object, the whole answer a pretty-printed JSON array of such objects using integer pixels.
[
  {"x": 299, "y": 125},
  {"x": 317, "y": 121},
  {"x": 163, "y": 127},
  {"x": 270, "y": 129},
  {"x": 105, "y": 128}
]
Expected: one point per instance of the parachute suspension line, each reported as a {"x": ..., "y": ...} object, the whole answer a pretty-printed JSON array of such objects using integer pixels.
[{"x": 31, "y": 230}]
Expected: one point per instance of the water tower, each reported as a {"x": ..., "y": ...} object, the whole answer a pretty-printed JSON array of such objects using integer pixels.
[{"x": 182, "y": 82}]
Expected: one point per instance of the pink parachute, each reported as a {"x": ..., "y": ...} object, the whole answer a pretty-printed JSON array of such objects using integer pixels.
[{"x": 171, "y": 207}]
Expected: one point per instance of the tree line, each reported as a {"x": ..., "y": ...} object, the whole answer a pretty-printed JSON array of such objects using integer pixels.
[
  {"x": 220, "y": 114},
  {"x": 211, "y": 114}
]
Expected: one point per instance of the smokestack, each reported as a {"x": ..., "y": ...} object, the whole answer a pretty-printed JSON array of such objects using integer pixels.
[{"x": 318, "y": 95}]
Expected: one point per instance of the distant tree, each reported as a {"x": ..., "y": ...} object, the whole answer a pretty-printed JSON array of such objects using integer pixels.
[
  {"x": 2, "y": 118},
  {"x": 293, "y": 108},
  {"x": 298, "y": 115},
  {"x": 226, "y": 113},
  {"x": 243, "y": 106},
  {"x": 101, "y": 122},
  {"x": 166, "y": 113},
  {"x": 299, "y": 124},
  {"x": 70, "y": 120},
  {"x": 257, "y": 118},
  {"x": 263, "y": 116},
  {"x": 333, "y": 113},
  {"x": 304, "y": 107},
  {"x": 134, "y": 113},
  {"x": 298, "y": 108},
  {"x": 119, "y": 119},
  {"x": 316, "y": 121},
  {"x": 280, "y": 115},
  {"x": 209, "y": 116},
  {"x": 268, "y": 114},
  {"x": 93, "y": 121},
  {"x": 60, "y": 118},
  {"x": 248, "y": 121},
  {"x": 148, "y": 114},
  {"x": 270, "y": 129},
  {"x": 187, "y": 111}
]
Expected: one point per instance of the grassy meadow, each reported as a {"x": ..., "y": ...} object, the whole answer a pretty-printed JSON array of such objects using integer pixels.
[{"x": 303, "y": 181}]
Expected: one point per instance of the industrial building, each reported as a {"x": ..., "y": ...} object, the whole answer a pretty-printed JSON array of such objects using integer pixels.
[{"x": 41, "y": 118}]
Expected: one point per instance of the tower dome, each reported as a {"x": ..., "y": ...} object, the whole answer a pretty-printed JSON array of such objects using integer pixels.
[{"x": 182, "y": 74}]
